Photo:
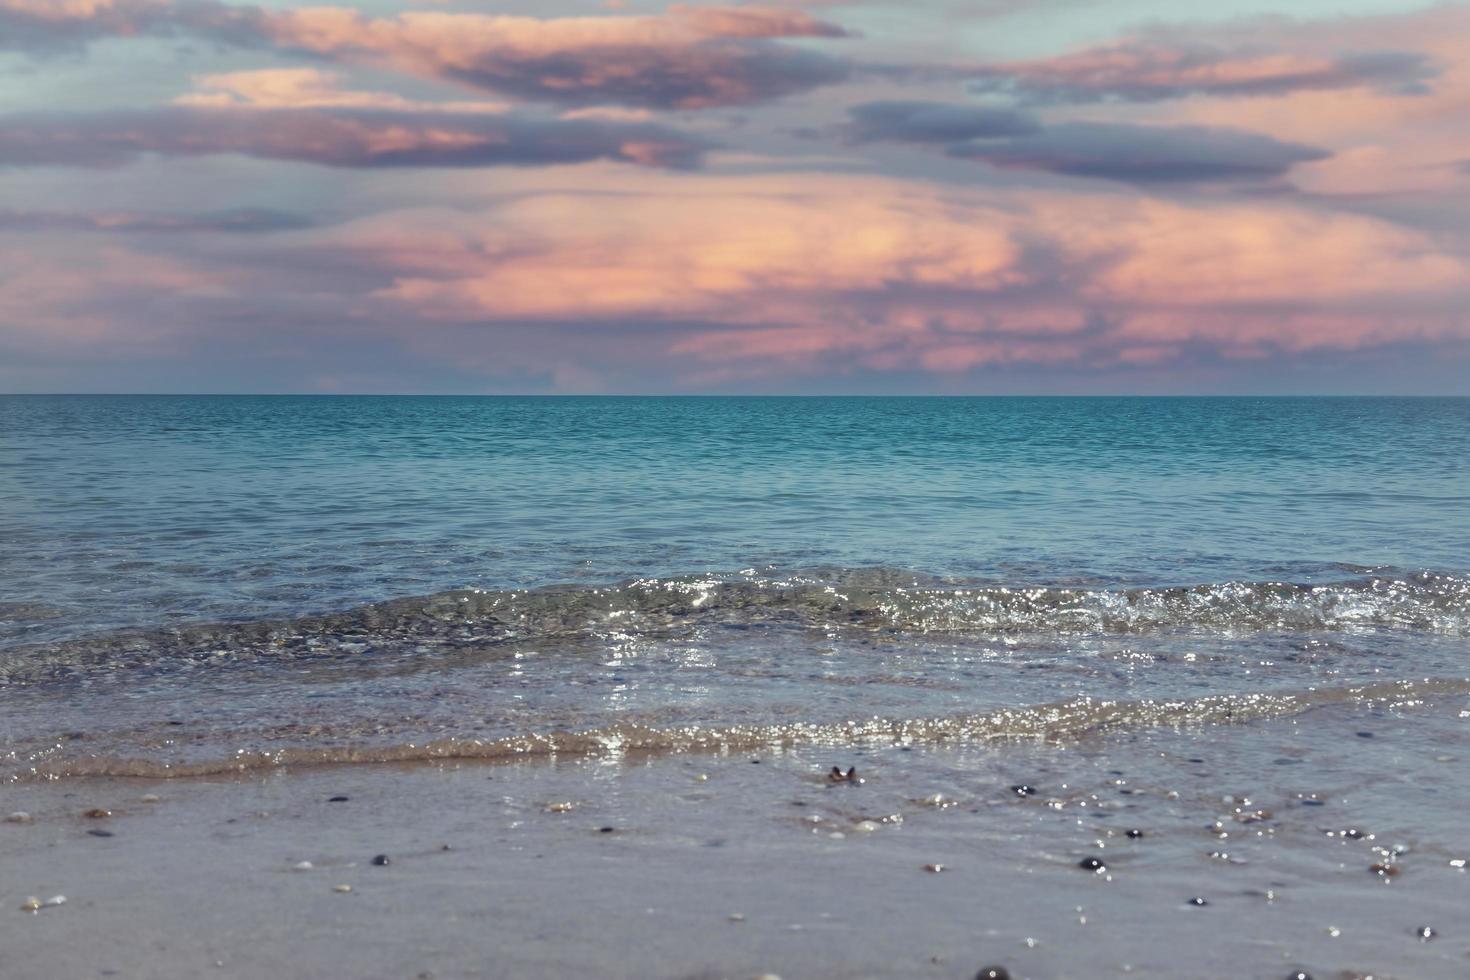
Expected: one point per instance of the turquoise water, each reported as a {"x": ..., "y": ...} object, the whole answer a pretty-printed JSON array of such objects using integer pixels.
[
  {"x": 191, "y": 583},
  {"x": 138, "y": 511}
]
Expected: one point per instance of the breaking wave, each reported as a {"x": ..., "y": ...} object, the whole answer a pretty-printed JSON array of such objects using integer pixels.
[{"x": 869, "y": 599}]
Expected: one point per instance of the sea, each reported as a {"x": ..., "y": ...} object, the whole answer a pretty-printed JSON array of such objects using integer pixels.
[{"x": 203, "y": 584}]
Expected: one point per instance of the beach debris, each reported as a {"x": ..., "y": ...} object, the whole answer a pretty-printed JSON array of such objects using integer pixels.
[
  {"x": 32, "y": 904},
  {"x": 934, "y": 869},
  {"x": 566, "y": 806},
  {"x": 993, "y": 973},
  {"x": 342, "y": 889},
  {"x": 97, "y": 813},
  {"x": 338, "y": 799},
  {"x": 1021, "y": 789},
  {"x": 1198, "y": 902},
  {"x": 1425, "y": 933},
  {"x": 100, "y": 833},
  {"x": 19, "y": 816},
  {"x": 1093, "y": 864},
  {"x": 851, "y": 776},
  {"x": 303, "y": 866},
  {"x": 381, "y": 861}
]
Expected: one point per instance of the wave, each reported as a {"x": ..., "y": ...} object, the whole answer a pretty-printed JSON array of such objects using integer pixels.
[
  {"x": 863, "y": 599},
  {"x": 1057, "y": 722}
]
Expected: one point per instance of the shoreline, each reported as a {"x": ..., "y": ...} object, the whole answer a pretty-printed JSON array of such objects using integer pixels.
[{"x": 738, "y": 866}]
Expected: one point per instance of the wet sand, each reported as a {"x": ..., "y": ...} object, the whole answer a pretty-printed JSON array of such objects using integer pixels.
[{"x": 742, "y": 865}]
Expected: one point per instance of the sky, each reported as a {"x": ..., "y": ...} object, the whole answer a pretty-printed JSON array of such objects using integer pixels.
[{"x": 809, "y": 196}]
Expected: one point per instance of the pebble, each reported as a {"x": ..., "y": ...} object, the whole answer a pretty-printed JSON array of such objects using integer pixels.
[
  {"x": 100, "y": 833},
  {"x": 1092, "y": 864},
  {"x": 1425, "y": 933},
  {"x": 993, "y": 973},
  {"x": 1198, "y": 902},
  {"x": 1135, "y": 833},
  {"x": 934, "y": 868},
  {"x": 97, "y": 813},
  {"x": 606, "y": 830},
  {"x": 342, "y": 889},
  {"x": 563, "y": 807},
  {"x": 19, "y": 816},
  {"x": 381, "y": 860},
  {"x": 337, "y": 799}
]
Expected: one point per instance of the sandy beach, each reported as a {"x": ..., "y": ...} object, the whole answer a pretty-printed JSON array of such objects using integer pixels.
[{"x": 941, "y": 861}]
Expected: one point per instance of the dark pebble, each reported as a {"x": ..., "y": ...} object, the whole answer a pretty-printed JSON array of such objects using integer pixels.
[
  {"x": 381, "y": 860},
  {"x": 606, "y": 830},
  {"x": 1135, "y": 833},
  {"x": 1021, "y": 789},
  {"x": 337, "y": 799},
  {"x": 1365, "y": 734},
  {"x": 1425, "y": 933},
  {"x": 1198, "y": 902},
  {"x": 101, "y": 833},
  {"x": 993, "y": 973},
  {"x": 1092, "y": 864}
]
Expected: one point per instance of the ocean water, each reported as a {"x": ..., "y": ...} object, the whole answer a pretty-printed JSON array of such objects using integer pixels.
[{"x": 195, "y": 583}]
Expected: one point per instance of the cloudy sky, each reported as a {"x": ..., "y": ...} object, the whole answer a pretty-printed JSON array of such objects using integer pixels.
[{"x": 823, "y": 196}]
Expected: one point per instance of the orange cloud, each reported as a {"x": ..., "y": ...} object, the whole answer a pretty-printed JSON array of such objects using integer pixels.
[{"x": 892, "y": 274}]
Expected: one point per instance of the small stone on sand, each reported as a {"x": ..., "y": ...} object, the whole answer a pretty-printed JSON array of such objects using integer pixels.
[
  {"x": 342, "y": 889},
  {"x": 1198, "y": 902},
  {"x": 1093, "y": 864},
  {"x": 381, "y": 860}
]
